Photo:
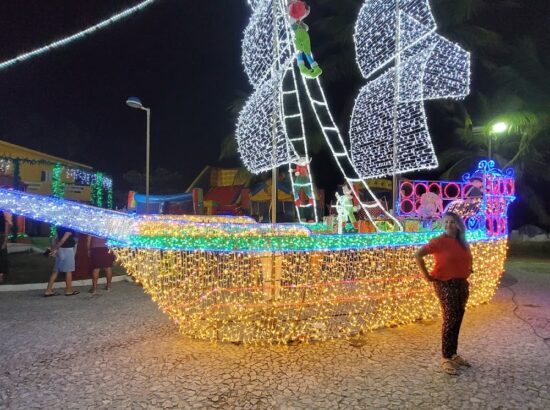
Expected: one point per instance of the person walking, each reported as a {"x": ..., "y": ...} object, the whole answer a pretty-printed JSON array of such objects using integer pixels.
[
  {"x": 453, "y": 265},
  {"x": 64, "y": 250},
  {"x": 101, "y": 258},
  {"x": 5, "y": 228}
]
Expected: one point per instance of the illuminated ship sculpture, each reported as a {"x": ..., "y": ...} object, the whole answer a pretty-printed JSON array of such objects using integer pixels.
[{"x": 231, "y": 279}]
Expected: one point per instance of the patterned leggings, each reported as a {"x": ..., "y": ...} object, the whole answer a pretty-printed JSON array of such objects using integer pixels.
[{"x": 453, "y": 295}]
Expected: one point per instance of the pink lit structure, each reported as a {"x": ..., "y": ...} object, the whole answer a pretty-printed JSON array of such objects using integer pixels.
[{"x": 485, "y": 211}]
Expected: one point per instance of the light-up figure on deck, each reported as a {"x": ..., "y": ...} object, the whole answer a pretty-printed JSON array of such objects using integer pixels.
[{"x": 303, "y": 192}]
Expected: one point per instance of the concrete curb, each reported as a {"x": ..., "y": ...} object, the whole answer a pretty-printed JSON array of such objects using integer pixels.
[{"x": 41, "y": 286}]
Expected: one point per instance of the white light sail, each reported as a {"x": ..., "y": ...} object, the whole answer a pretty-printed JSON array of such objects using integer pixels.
[
  {"x": 261, "y": 132},
  {"x": 258, "y": 49},
  {"x": 376, "y": 31},
  {"x": 396, "y": 40}
]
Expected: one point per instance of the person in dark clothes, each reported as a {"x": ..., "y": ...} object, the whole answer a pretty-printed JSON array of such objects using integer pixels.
[
  {"x": 453, "y": 265},
  {"x": 101, "y": 258},
  {"x": 5, "y": 228},
  {"x": 64, "y": 250}
]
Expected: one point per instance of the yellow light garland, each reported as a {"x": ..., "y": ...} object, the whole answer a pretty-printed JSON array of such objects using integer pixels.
[{"x": 263, "y": 297}]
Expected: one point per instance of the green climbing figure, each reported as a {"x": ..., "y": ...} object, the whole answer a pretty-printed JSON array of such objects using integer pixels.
[{"x": 299, "y": 10}]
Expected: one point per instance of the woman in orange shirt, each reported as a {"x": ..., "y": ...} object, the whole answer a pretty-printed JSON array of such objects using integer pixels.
[{"x": 453, "y": 265}]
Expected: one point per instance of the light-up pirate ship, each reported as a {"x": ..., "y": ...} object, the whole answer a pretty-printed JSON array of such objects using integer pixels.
[{"x": 231, "y": 279}]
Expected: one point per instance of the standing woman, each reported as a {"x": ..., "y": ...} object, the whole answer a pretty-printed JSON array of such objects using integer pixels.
[
  {"x": 5, "y": 228},
  {"x": 453, "y": 265},
  {"x": 101, "y": 258},
  {"x": 63, "y": 250}
]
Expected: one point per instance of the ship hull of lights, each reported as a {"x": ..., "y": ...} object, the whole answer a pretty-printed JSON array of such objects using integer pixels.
[
  {"x": 231, "y": 279},
  {"x": 263, "y": 297},
  {"x": 406, "y": 63}
]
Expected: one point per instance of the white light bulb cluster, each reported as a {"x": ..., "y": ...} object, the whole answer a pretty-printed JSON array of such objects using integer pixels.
[
  {"x": 376, "y": 30},
  {"x": 389, "y": 132},
  {"x": 83, "y": 218},
  {"x": 254, "y": 3},
  {"x": 87, "y": 178},
  {"x": 6, "y": 166},
  {"x": 258, "y": 49},
  {"x": 125, "y": 228},
  {"x": 261, "y": 132},
  {"x": 77, "y": 36}
]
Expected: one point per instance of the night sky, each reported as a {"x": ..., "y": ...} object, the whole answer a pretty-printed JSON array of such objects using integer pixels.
[{"x": 182, "y": 58}]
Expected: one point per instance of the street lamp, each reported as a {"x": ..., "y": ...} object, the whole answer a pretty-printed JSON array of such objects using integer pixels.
[
  {"x": 135, "y": 102},
  {"x": 497, "y": 128}
]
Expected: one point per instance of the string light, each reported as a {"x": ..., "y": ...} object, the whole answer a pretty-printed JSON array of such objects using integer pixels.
[
  {"x": 231, "y": 279},
  {"x": 488, "y": 210},
  {"x": 315, "y": 295},
  {"x": 77, "y": 36},
  {"x": 261, "y": 130},
  {"x": 389, "y": 133},
  {"x": 59, "y": 172},
  {"x": 84, "y": 177},
  {"x": 258, "y": 52},
  {"x": 6, "y": 166},
  {"x": 498, "y": 194},
  {"x": 257, "y": 128},
  {"x": 59, "y": 212}
]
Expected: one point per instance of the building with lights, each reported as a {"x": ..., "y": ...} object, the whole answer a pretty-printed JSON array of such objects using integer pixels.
[
  {"x": 41, "y": 173},
  {"x": 35, "y": 170}
]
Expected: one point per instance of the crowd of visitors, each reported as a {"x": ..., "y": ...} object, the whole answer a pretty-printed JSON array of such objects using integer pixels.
[{"x": 63, "y": 250}]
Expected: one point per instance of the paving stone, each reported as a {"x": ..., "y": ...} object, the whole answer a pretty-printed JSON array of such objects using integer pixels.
[{"x": 121, "y": 352}]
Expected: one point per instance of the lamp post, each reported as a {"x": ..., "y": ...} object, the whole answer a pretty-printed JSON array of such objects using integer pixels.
[
  {"x": 135, "y": 102},
  {"x": 496, "y": 128},
  {"x": 490, "y": 131}
]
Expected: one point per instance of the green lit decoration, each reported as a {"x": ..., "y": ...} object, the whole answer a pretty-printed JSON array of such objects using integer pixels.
[
  {"x": 58, "y": 189},
  {"x": 110, "y": 198},
  {"x": 322, "y": 242},
  {"x": 97, "y": 190}
]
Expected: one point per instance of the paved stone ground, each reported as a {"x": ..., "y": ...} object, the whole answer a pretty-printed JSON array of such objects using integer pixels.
[{"x": 119, "y": 351}]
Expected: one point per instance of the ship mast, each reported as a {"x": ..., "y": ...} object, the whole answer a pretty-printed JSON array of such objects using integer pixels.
[
  {"x": 396, "y": 103},
  {"x": 274, "y": 70}
]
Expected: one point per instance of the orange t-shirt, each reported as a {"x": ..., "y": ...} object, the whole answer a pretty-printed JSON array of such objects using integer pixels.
[{"x": 452, "y": 261}]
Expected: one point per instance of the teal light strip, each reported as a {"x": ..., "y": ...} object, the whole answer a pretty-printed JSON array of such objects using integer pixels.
[{"x": 288, "y": 243}]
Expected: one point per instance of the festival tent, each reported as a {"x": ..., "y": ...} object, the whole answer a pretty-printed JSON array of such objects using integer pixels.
[
  {"x": 260, "y": 201},
  {"x": 226, "y": 190}
]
